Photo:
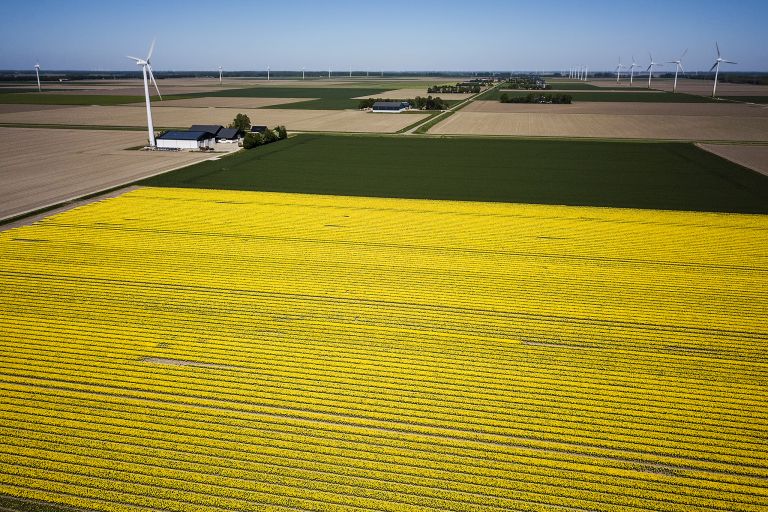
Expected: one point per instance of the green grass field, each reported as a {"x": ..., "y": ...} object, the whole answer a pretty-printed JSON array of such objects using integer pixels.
[
  {"x": 609, "y": 96},
  {"x": 673, "y": 176}
]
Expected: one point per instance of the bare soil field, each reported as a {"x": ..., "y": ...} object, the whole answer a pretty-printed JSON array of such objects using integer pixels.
[
  {"x": 630, "y": 108},
  {"x": 10, "y": 108},
  {"x": 227, "y": 102},
  {"x": 700, "y": 87},
  {"x": 397, "y": 94},
  {"x": 71, "y": 163},
  {"x": 625, "y": 126},
  {"x": 179, "y": 117},
  {"x": 750, "y": 156}
]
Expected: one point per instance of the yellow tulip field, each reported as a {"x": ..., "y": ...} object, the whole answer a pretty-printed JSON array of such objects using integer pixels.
[{"x": 204, "y": 350}]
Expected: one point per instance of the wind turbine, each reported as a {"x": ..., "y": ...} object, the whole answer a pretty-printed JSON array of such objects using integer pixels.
[
  {"x": 716, "y": 67},
  {"x": 650, "y": 69},
  {"x": 632, "y": 70},
  {"x": 329, "y": 71},
  {"x": 678, "y": 67},
  {"x": 618, "y": 71},
  {"x": 302, "y": 73},
  {"x": 586, "y": 73},
  {"x": 219, "y": 75},
  {"x": 37, "y": 72},
  {"x": 267, "y": 73},
  {"x": 146, "y": 66}
]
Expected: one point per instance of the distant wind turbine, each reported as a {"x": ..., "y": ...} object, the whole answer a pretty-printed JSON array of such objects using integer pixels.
[
  {"x": 632, "y": 70},
  {"x": 219, "y": 75},
  {"x": 267, "y": 72},
  {"x": 586, "y": 73},
  {"x": 37, "y": 72},
  {"x": 302, "y": 73},
  {"x": 147, "y": 67},
  {"x": 678, "y": 67},
  {"x": 618, "y": 71},
  {"x": 650, "y": 69},
  {"x": 716, "y": 67}
]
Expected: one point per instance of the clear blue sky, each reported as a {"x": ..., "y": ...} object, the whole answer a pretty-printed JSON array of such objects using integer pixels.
[{"x": 389, "y": 35}]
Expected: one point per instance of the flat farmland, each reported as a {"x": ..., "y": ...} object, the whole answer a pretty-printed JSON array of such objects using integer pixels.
[
  {"x": 751, "y": 156},
  {"x": 180, "y": 117},
  {"x": 671, "y": 176},
  {"x": 383, "y": 354},
  {"x": 40, "y": 167},
  {"x": 227, "y": 102},
  {"x": 607, "y": 126},
  {"x": 409, "y": 93},
  {"x": 704, "y": 87},
  {"x": 642, "y": 108}
]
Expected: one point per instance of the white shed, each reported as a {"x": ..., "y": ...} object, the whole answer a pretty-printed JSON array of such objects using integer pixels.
[{"x": 186, "y": 140}]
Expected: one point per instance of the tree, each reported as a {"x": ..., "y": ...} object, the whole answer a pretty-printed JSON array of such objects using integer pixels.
[
  {"x": 282, "y": 133},
  {"x": 241, "y": 122},
  {"x": 268, "y": 136},
  {"x": 252, "y": 140}
]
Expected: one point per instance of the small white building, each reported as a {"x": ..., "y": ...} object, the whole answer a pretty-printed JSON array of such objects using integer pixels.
[{"x": 186, "y": 140}]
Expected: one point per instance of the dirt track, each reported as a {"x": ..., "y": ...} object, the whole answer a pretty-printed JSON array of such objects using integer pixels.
[
  {"x": 46, "y": 166},
  {"x": 670, "y": 127},
  {"x": 752, "y": 157},
  {"x": 179, "y": 117}
]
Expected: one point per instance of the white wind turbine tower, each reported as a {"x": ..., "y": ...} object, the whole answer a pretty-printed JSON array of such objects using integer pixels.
[
  {"x": 586, "y": 73},
  {"x": 267, "y": 73},
  {"x": 678, "y": 67},
  {"x": 632, "y": 70},
  {"x": 716, "y": 67},
  {"x": 302, "y": 73},
  {"x": 618, "y": 71},
  {"x": 219, "y": 75},
  {"x": 37, "y": 72},
  {"x": 650, "y": 69},
  {"x": 146, "y": 66}
]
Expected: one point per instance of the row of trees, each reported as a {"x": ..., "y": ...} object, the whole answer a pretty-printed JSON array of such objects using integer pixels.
[
  {"x": 453, "y": 89},
  {"x": 537, "y": 98},
  {"x": 268, "y": 136},
  {"x": 251, "y": 140},
  {"x": 527, "y": 83},
  {"x": 419, "y": 103}
]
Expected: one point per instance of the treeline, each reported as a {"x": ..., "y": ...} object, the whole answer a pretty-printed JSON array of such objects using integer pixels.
[
  {"x": 268, "y": 136},
  {"x": 454, "y": 89},
  {"x": 559, "y": 99},
  {"x": 527, "y": 83},
  {"x": 419, "y": 103}
]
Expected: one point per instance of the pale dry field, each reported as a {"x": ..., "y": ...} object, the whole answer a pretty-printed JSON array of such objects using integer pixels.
[
  {"x": 293, "y": 119},
  {"x": 689, "y": 86},
  {"x": 622, "y": 107},
  {"x": 10, "y": 108},
  {"x": 40, "y": 167},
  {"x": 226, "y": 102},
  {"x": 750, "y": 156},
  {"x": 397, "y": 94},
  {"x": 564, "y": 91},
  {"x": 666, "y": 127}
]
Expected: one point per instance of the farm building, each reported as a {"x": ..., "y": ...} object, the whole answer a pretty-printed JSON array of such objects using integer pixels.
[
  {"x": 391, "y": 106},
  {"x": 258, "y": 129},
  {"x": 213, "y": 129},
  {"x": 229, "y": 135},
  {"x": 186, "y": 140}
]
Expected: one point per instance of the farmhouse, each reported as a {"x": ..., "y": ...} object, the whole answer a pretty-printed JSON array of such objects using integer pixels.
[
  {"x": 186, "y": 140},
  {"x": 229, "y": 135},
  {"x": 213, "y": 129},
  {"x": 391, "y": 106}
]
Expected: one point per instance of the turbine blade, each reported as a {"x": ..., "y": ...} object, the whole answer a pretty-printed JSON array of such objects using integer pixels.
[
  {"x": 713, "y": 67},
  {"x": 151, "y": 49},
  {"x": 649, "y": 67},
  {"x": 683, "y": 55},
  {"x": 134, "y": 58},
  {"x": 681, "y": 67},
  {"x": 730, "y": 62},
  {"x": 152, "y": 78},
  {"x": 718, "y": 49}
]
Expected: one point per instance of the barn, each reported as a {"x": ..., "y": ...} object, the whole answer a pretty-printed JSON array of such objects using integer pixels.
[
  {"x": 229, "y": 135},
  {"x": 391, "y": 106},
  {"x": 186, "y": 140}
]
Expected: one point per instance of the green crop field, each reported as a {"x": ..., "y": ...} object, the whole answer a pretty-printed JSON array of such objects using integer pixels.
[
  {"x": 612, "y": 96},
  {"x": 673, "y": 176}
]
